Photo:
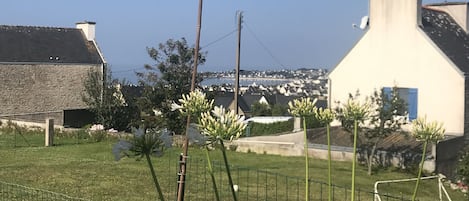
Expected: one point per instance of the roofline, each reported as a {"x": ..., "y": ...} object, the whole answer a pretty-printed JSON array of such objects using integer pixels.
[
  {"x": 50, "y": 63},
  {"x": 440, "y": 51},
  {"x": 446, "y": 3},
  {"x": 86, "y": 22},
  {"x": 101, "y": 55},
  {"x": 347, "y": 54}
]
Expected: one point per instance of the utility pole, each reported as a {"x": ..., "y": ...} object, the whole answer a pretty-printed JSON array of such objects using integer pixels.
[
  {"x": 236, "y": 94},
  {"x": 185, "y": 146}
]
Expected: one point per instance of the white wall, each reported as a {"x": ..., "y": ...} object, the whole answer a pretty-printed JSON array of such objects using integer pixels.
[{"x": 396, "y": 52}]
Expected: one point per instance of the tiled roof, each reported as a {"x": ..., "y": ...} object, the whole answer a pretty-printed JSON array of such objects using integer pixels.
[
  {"x": 340, "y": 137},
  {"x": 46, "y": 44},
  {"x": 448, "y": 36}
]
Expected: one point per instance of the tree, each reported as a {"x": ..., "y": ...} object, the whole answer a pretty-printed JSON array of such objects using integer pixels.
[
  {"x": 387, "y": 115},
  {"x": 261, "y": 109},
  {"x": 279, "y": 110},
  {"x": 166, "y": 81},
  {"x": 104, "y": 99}
]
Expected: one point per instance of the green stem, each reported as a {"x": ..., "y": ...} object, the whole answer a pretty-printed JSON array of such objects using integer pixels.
[
  {"x": 230, "y": 180},
  {"x": 354, "y": 158},
  {"x": 420, "y": 170},
  {"x": 329, "y": 180},
  {"x": 306, "y": 160},
  {"x": 155, "y": 180},
  {"x": 210, "y": 171}
]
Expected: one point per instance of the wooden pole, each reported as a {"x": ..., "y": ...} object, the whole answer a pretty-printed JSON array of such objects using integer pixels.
[
  {"x": 238, "y": 51},
  {"x": 185, "y": 146}
]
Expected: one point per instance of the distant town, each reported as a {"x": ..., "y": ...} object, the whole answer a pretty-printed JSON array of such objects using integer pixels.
[{"x": 299, "y": 82}]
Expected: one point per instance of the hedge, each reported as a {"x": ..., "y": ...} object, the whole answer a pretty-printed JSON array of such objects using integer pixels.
[{"x": 259, "y": 129}]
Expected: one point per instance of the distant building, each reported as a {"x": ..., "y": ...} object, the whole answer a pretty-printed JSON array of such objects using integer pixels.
[{"x": 42, "y": 70}]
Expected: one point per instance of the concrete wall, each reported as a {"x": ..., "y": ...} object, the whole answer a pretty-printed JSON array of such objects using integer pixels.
[
  {"x": 446, "y": 160},
  {"x": 267, "y": 147},
  {"x": 39, "y": 88},
  {"x": 395, "y": 52}
]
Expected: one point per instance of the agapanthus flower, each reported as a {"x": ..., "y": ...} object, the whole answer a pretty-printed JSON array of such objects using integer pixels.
[
  {"x": 427, "y": 131},
  {"x": 324, "y": 116},
  {"x": 354, "y": 110},
  {"x": 152, "y": 142},
  {"x": 302, "y": 107},
  {"x": 221, "y": 123},
  {"x": 193, "y": 103}
]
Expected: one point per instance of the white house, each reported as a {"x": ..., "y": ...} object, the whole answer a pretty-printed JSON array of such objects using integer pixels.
[{"x": 422, "y": 50}]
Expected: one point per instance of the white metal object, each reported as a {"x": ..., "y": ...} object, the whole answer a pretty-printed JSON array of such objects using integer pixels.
[{"x": 441, "y": 187}]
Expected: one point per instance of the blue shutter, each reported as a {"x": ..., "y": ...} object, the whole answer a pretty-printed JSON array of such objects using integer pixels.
[
  {"x": 387, "y": 90},
  {"x": 412, "y": 103}
]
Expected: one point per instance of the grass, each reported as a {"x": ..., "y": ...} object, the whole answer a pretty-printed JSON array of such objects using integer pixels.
[{"x": 88, "y": 170}]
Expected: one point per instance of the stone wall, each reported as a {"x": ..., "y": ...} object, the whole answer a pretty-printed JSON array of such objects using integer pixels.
[
  {"x": 38, "y": 117},
  {"x": 39, "y": 88}
]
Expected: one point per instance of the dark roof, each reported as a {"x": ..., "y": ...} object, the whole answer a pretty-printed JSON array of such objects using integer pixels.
[
  {"x": 226, "y": 99},
  {"x": 448, "y": 36},
  {"x": 280, "y": 99},
  {"x": 46, "y": 44},
  {"x": 250, "y": 99}
]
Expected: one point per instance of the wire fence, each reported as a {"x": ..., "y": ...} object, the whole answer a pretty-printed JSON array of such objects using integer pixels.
[
  {"x": 256, "y": 184},
  {"x": 15, "y": 192},
  {"x": 253, "y": 184},
  {"x": 16, "y": 137}
]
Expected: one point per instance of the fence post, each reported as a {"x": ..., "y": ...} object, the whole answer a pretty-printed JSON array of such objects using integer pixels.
[{"x": 49, "y": 138}]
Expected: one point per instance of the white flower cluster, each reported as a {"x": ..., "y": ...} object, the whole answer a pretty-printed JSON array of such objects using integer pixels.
[
  {"x": 427, "y": 131},
  {"x": 302, "y": 107},
  {"x": 221, "y": 123},
  {"x": 193, "y": 103}
]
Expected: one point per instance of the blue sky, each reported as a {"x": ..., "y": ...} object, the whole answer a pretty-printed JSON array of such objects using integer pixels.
[{"x": 298, "y": 33}]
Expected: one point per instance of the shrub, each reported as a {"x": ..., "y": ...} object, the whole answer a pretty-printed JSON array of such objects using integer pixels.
[{"x": 258, "y": 129}]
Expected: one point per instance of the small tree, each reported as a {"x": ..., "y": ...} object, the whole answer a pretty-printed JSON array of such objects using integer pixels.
[
  {"x": 166, "y": 81},
  {"x": 104, "y": 100},
  {"x": 261, "y": 109},
  {"x": 386, "y": 117},
  {"x": 279, "y": 110}
]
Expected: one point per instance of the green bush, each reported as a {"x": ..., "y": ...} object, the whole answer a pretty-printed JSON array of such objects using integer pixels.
[{"x": 259, "y": 129}]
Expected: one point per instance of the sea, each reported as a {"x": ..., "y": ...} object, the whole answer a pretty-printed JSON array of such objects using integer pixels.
[{"x": 244, "y": 81}]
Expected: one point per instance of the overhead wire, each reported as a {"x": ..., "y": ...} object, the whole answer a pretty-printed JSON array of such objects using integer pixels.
[
  {"x": 205, "y": 46},
  {"x": 220, "y": 38},
  {"x": 264, "y": 46}
]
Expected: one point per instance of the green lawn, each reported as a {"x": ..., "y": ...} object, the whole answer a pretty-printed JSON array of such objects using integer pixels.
[{"x": 88, "y": 170}]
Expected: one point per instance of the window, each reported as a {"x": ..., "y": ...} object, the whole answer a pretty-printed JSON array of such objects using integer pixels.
[{"x": 410, "y": 97}]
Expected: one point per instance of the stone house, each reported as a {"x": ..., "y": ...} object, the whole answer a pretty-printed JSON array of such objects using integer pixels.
[
  {"x": 42, "y": 70},
  {"x": 422, "y": 50}
]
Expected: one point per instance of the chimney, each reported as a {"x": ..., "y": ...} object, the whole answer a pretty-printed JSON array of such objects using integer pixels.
[
  {"x": 457, "y": 10},
  {"x": 395, "y": 14},
  {"x": 88, "y": 29}
]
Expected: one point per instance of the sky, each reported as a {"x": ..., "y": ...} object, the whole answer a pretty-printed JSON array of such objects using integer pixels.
[{"x": 276, "y": 34}]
